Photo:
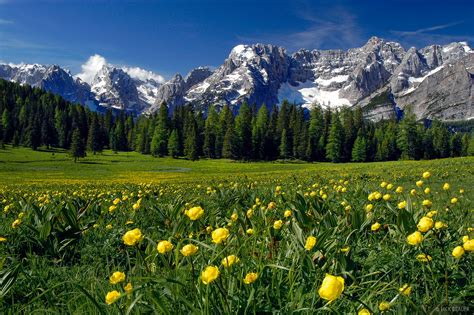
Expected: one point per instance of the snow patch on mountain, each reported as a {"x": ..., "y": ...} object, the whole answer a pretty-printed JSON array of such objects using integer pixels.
[{"x": 309, "y": 93}]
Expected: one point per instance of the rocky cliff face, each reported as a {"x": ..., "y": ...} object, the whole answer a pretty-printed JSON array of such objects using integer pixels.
[
  {"x": 50, "y": 78},
  {"x": 435, "y": 81},
  {"x": 266, "y": 74}
]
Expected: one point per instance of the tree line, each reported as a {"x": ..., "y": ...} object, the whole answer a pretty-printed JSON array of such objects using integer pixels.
[{"x": 32, "y": 117}]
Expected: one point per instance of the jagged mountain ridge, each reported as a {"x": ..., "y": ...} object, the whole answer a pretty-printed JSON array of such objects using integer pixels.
[
  {"x": 267, "y": 74},
  {"x": 436, "y": 81}
]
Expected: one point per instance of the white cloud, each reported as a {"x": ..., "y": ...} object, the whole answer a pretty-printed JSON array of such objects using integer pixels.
[
  {"x": 96, "y": 62},
  {"x": 141, "y": 74},
  {"x": 91, "y": 67}
]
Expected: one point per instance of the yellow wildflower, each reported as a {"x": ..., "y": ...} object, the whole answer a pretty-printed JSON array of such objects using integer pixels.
[
  {"x": 331, "y": 288},
  {"x": 189, "y": 250},
  {"x": 250, "y": 277},
  {"x": 117, "y": 277},
  {"x": 209, "y": 274},
  {"x": 112, "y": 296},
  {"x": 164, "y": 247},
  {"x": 220, "y": 235},
  {"x": 132, "y": 237},
  {"x": 230, "y": 260},
  {"x": 310, "y": 243},
  {"x": 194, "y": 213},
  {"x": 425, "y": 224},
  {"x": 415, "y": 238},
  {"x": 458, "y": 251}
]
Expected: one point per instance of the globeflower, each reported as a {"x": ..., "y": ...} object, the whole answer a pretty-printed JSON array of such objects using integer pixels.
[
  {"x": 128, "y": 288},
  {"x": 234, "y": 216},
  {"x": 384, "y": 305},
  {"x": 249, "y": 231},
  {"x": 402, "y": 205},
  {"x": 230, "y": 260},
  {"x": 189, "y": 250},
  {"x": 387, "y": 197},
  {"x": 310, "y": 243},
  {"x": 112, "y": 296},
  {"x": 468, "y": 245},
  {"x": 220, "y": 235},
  {"x": 194, "y": 213},
  {"x": 446, "y": 186},
  {"x": 425, "y": 224},
  {"x": 383, "y": 184},
  {"x": 209, "y": 274},
  {"x": 432, "y": 213},
  {"x": 454, "y": 200},
  {"x": 16, "y": 223},
  {"x": 331, "y": 288},
  {"x": 363, "y": 311},
  {"x": 415, "y": 238},
  {"x": 375, "y": 227},
  {"x": 413, "y": 192},
  {"x": 423, "y": 258},
  {"x": 458, "y": 251},
  {"x": 272, "y": 205},
  {"x": 399, "y": 190},
  {"x": 250, "y": 277},
  {"x": 427, "y": 203},
  {"x": 3, "y": 239},
  {"x": 116, "y": 201},
  {"x": 419, "y": 183},
  {"x": 277, "y": 224},
  {"x": 427, "y": 190},
  {"x": 132, "y": 237},
  {"x": 369, "y": 207},
  {"x": 164, "y": 247},
  {"x": 426, "y": 175},
  {"x": 389, "y": 186},
  {"x": 440, "y": 225},
  {"x": 117, "y": 277},
  {"x": 287, "y": 214},
  {"x": 405, "y": 290}
]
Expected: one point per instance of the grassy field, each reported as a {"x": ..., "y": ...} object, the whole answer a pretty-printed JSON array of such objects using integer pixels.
[
  {"x": 24, "y": 166},
  {"x": 131, "y": 234}
]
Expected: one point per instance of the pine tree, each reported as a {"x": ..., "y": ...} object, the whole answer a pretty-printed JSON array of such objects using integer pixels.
[
  {"x": 243, "y": 130},
  {"x": 335, "y": 140},
  {"x": 210, "y": 133},
  {"x": 78, "y": 149},
  {"x": 314, "y": 133},
  {"x": 440, "y": 140},
  {"x": 93, "y": 139},
  {"x": 284, "y": 145},
  {"x": 456, "y": 145},
  {"x": 229, "y": 147},
  {"x": 173, "y": 144},
  {"x": 359, "y": 151},
  {"x": 259, "y": 131},
  {"x": 159, "y": 146},
  {"x": 407, "y": 137},
  {"x": 190, "y": 137}
]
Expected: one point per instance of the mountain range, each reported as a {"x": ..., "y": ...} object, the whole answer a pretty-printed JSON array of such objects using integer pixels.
[{"x": 381, "y": 77}]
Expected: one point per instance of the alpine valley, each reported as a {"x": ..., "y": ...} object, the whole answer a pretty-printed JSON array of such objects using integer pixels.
[{"x": 381, "y": 77}]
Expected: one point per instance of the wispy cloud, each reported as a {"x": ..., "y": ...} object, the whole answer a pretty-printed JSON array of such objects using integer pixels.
[
  {"x": 325, "y": 33},
  {"x": 426, "y": 29},
  {"x": 4, "y": 21},
  {"x": 427, "y": 35}
]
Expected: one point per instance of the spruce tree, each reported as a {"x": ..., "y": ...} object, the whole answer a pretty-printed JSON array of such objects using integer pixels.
[
  {"x": 243, "y": 130},
  {"x": 78, "y": 149},
  {"x": 229, "y": 147},
  {"x": 284, "y": 148},
  {"x": 359, "y": 151},
  {"x": 173, "y": 144},
  {"x": 259, "y": 131},
  {"x": 93, "y": 139},
  {"x": 335, "y": 140},
  {"x": 211, "y": 129},
  {"x": 190, "y": 137}
]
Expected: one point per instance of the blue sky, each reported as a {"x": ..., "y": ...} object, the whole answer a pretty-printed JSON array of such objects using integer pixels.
[{"x": 174, "y": 36}]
